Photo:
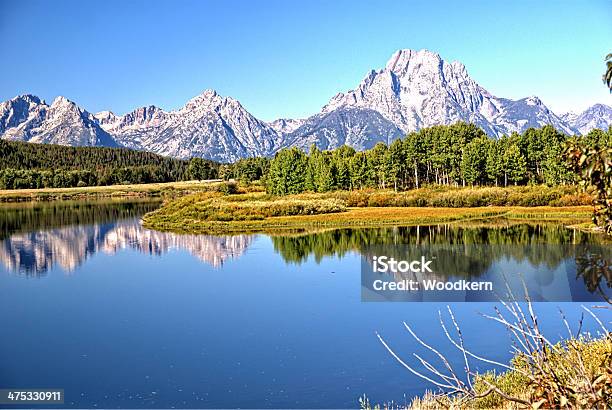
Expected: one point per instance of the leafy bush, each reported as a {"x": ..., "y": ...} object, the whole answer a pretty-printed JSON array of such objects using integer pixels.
[
  {"x": 227, "y": 188},
  {"x": 595, "y": 355}
]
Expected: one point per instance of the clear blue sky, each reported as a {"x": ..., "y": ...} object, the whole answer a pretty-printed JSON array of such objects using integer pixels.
[{"x": 287, "y": 58}]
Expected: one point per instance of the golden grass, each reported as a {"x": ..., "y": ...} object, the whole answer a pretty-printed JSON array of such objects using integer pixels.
[
  {"x": 129, "y": 190},
  {"x": 369, "y": 217},
  {"x": 457, "y": 197},
  {"x": 212, "y": 212},
  {"x": 592, "y": 354}
]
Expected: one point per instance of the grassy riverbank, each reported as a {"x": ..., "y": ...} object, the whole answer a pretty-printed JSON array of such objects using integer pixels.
[
  {"x": 211, "y": 212},
  {"x": 571, "y": 361},
  {"x": 218, "y": 207},
  {"x": 166, "y": 189}
]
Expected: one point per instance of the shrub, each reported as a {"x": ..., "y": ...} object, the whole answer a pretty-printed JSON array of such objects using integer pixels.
[
  {"x": 575, "y": 372},
  {"x": 452, "y": 197},
  {"x": 227, "y": 188}
]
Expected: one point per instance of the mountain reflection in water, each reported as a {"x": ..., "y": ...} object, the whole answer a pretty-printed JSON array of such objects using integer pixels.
[
  {"x": 35, "y": 253},
  {"x": 38, "y": 237}
]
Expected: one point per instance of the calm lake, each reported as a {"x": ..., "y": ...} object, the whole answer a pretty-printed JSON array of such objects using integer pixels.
[{"x": 120, "y": 316}]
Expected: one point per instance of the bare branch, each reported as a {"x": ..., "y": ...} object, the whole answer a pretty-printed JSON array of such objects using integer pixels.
[
  {"x": 596, "y": 318},
  {"x": 465, "y": 359},
  {"x": 441, "y": 385},
  {"x": 442, "y": 358},
  {"x": 569, "y": 331},
  {"x": 469, "y": 353},
  {"x": 542, "y": 358},
  {"x": 431, "y": 368}
]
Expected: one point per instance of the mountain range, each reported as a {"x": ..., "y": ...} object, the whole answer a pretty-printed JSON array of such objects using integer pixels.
[{"x": 415, "y": 89}]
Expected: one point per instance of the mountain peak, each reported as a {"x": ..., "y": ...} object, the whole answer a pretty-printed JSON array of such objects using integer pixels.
[
  {"x": 599, "y": 107},
  {"x": 30, "y": 98},
  {"x": 209, "y": 93},
  {"x": 402, "y": 60},
  {"x": 533, "y": 100},
  {"x": 418, "y": 89},
  {"x": 206, "y": 98},
  {"x": 597, "y": 116},
  {"x": 61, "y": 101},
  {"x": 105, "y": 117},
  {"x": 459, "y": 67},
  {"x": 104, "y": 114},
  {"x": 27, "y": 118}
]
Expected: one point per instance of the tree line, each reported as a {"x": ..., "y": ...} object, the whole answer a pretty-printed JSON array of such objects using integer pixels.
[
  {"x": 460, "y": 154},
  {"x": 27, "y": 165}
]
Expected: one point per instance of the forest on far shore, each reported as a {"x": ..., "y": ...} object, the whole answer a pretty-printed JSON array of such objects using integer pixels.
[
  {"x": 27, "y": 165},
  {"x": 460, "y": 154}
]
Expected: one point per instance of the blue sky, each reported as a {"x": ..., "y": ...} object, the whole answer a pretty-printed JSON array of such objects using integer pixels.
[{"x": 287, "y": 58}]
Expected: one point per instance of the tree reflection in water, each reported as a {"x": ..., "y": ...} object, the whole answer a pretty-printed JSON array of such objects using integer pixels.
[
  {"x": 595, "y": 268},
  {"x": 467, "y": 250}
]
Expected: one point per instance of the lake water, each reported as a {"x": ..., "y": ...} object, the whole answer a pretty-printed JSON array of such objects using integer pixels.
[{"x": 121, "y": 316}]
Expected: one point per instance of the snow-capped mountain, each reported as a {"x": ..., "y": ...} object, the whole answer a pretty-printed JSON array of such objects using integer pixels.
[
  {"x": 597, "y": 116},
  {"x": 415, "y": 89},
  {"x": 418, "y": 89},
  {"x": 28, "y": 118},
  {"x": 209, "y": 126}
]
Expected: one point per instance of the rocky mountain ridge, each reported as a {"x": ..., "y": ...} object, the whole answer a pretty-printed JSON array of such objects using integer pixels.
[{"x": 415, "y": 89}]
